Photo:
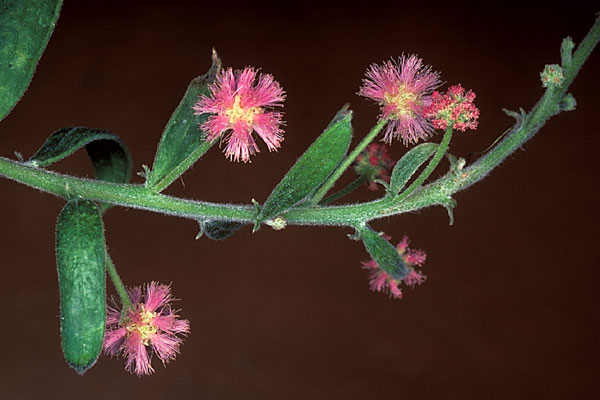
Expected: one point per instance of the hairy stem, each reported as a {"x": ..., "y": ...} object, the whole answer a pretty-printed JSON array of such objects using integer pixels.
[{"x": 118, "y": 283}]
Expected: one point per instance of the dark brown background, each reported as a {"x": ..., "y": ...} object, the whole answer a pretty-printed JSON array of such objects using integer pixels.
[{"x": 511, "y": 306}]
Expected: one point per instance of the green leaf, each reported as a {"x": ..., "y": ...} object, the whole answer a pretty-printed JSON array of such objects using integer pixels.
[
  {"x": 25, "y": 28},
  {"x": 384, "y": 253},
  {"x": 566, "y": 51},
  {"x": 220, "y": 230},
  {"x": 449, "y": 205},
  {"x": 183, "y": 142},
  {"x": 110, "y": 157},
  {"x": 312, "y": 169},
  {"x": 408, "y": 165},
  {"x": 80, "y": 259}
]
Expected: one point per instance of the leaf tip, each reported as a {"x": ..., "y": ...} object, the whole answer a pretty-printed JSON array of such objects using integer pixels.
[{"x": 82, "y": 368}]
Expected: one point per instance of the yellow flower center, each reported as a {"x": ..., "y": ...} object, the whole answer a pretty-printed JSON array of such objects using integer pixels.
[
  {"x": 145, "y": 328},
  {"x": 403, "y": 100},
  {"x": 238, "y": 113}
]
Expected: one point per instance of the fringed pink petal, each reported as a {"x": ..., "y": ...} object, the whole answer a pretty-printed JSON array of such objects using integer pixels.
[
  {"x": 138, "y": 360},
  {"x": 135, "y": 294},
  {"x": 157, "y": 296},
  {"x": 267, "y": 127},
  {"x": 268, "y": 92},
  {"x": 206, "y": 105},
  {"x": 371, "y": 264},
  {"x": 224, "y": 89},
  {"x": 241, "y": 145},
  {"x": 215, "y": 126},
  {"x": 415, "y": 257},
  {"x": 395, "y": 291},
  {"x": 378, "y": 281},
  {"x": 113, "y": 316},
  {"x": 165, "y": 346},
  {"x": 165, "y": 322},
  {"x": 113, "y": 341},
  {"x": 181, "y": 326},
  {"x": 245, "y": 81},
  {"x": 414, "y": 278}
]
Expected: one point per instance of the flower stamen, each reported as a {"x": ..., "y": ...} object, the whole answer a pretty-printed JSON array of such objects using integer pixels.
[
  {"x": 404, "y": 102},
  {"x": 238, "y": 113}
]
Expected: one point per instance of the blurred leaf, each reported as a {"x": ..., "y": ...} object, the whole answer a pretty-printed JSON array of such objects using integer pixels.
[
  {"x": 25, "y": 28},
  {"x": 110, "y": 157},
  {"x": 384, "y": 253},
  {"x": 220, "y": 230},
  {"x": 80, "y": 258},
  {"x": 312, "y": 169},
  {"x": 409, "y": 164},
  {"x": 182, "y": 142}
]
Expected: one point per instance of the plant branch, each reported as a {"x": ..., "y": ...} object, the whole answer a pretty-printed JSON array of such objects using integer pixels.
[{"x": 436, "y": 193}]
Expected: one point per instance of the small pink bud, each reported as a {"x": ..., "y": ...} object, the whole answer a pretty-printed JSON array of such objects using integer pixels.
[
  {"x": 374, "y": 162},
  {"x": 454, "y": 108}
]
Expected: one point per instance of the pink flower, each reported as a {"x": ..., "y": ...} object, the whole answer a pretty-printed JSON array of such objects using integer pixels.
[
  {"x": 374, "y": 162},
  {"x": 455, "y": 107},
  {"x": 151, "y": 326},
  {"x": 240, "y": 106},
  {"x": 402, "y": 89},
  {"x": 380, "y": 281}
]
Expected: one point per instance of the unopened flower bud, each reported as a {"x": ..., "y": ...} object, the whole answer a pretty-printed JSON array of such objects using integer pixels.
[{"x": 552, "y": 75}]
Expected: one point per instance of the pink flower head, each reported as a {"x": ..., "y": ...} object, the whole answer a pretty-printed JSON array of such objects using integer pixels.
[
  {"x": 374, "y": 162},
  {"x": 455, "y": 107},
  {"x": 402, "y": 89},
  {"x": 380, "y": 281},
  {"x": 150, "y": 326},
  {"x": 239, "y": 105}
]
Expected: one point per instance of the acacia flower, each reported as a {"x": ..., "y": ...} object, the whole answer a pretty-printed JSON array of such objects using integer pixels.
[
  {"x": 374, "y": 162},
  {"x": 380, "y": 281},
  {"x": 402, "y": 89},
  {"x": 150, "y": 326},
  {"x": 455, "y": 107},
  {"x": 240, "y": 104}
]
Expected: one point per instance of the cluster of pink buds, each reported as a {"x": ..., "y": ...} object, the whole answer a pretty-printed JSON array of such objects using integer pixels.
[
  {"x": 381, "y": 281},
  {"x": 373, "y": 163},
  {"x": 454, "y": 108}
]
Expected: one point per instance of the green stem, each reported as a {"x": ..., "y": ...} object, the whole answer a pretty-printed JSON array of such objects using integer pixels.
[
  {"x": 118, "y": 283},
  {"x": 344, "y": 191},
  {"x": 335, "y": 175},
  {"x": 437, "y": 157}
]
